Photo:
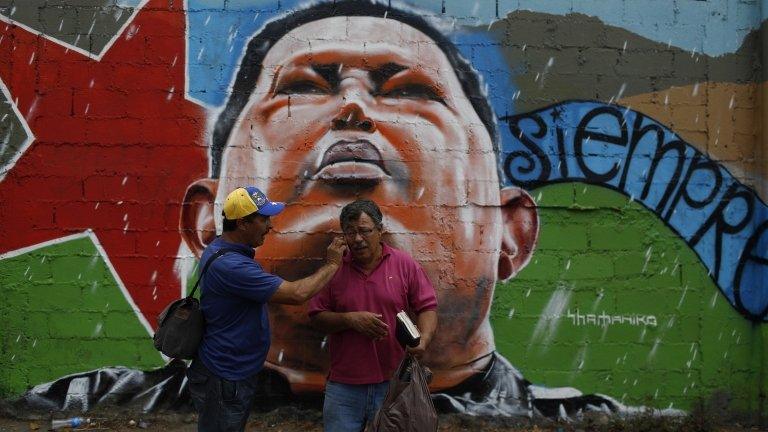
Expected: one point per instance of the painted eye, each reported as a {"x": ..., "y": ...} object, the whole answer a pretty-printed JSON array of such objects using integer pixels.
[
  {"x": 302, "y": 87},
  {"x": 413, "y": 91}
]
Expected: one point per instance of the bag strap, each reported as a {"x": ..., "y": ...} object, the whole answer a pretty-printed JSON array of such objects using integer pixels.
[{"x": 218, "y": 253}]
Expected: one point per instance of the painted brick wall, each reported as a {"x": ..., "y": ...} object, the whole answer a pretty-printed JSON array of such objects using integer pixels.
[{"x": 583, "y": 181}]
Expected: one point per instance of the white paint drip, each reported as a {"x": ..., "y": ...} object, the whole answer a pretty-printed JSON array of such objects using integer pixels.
[
  {"x": 132, "y": 30},
  {"x": 97, "y": 330},
  {"x": 654, "y": 349},
  {"x": 546, "y": 327},
  {"x": 647, "y": 258},
  {"x": 682, "y": 297}
]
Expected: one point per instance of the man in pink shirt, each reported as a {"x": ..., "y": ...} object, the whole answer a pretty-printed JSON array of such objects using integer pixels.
[{"x": 357, "y": 309}]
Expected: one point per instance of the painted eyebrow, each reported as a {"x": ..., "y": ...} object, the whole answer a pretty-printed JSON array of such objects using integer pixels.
[
  {"x": 381, "y": 74},
  {"x": 329, "y": 72}
]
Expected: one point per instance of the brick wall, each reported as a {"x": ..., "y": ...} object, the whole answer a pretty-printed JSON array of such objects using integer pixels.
[{"x": 634, "y": 129}]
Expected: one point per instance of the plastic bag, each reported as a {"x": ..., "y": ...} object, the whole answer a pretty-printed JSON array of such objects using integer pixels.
[{"x": 407, "y": 407}]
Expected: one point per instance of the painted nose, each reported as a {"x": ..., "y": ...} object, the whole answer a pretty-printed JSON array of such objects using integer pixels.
[
  {"x": 352, "y": 117},
  {"x": 352, "y": 114}
]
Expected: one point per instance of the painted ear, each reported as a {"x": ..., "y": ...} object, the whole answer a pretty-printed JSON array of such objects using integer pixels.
[
  {"x": 197, "y": 224},
  {"x": 520, "y": 231}
]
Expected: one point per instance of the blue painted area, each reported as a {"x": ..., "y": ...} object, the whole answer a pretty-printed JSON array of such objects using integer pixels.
[
  {"x": 486, "y": 57},
  {"x": 724, "y": 221},
  {"x": 216, "y": 39}
]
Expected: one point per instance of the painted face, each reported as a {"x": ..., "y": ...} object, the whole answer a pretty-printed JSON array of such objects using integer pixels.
[{"x": 363, "y": 107}]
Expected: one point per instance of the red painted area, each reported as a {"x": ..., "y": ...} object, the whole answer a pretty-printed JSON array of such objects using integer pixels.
[{"x": 97, "y": 123}]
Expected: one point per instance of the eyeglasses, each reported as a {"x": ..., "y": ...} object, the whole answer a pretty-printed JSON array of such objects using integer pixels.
[{"x": 351, "y": 233}]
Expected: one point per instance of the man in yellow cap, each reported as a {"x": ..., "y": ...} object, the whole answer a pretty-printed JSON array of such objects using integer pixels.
[{"x": 235, "y": 290}]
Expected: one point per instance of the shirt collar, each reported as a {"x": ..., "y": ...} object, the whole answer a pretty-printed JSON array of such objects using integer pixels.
[{"x": 239, "y": 247}]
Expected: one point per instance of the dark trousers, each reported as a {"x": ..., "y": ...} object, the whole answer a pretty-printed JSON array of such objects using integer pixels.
[{"x": 222, "y": 405}]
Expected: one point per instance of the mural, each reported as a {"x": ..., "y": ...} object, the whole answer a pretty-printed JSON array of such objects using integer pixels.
[
  {"x": 551, "y": 172},
  {"x": 717, "y": 216}
]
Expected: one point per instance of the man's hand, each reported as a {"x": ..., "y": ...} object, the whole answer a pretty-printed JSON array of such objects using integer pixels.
[
  {"x": 427, "y": 324},
  {"x": 367, "y": 323},
  {"x": 336, "y": 251},
  {"x": 418, "y": 351},
  {"x": 300, "y": 291}
]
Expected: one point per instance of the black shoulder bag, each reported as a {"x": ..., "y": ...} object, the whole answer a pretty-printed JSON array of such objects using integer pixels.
[{"x": 181, "y": 324}]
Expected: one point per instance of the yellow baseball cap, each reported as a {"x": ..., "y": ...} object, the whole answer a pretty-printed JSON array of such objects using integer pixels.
[{"x": 246, "y": 200}]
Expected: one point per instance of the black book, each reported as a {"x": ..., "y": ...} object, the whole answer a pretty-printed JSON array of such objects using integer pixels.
[{"x": 406, "y": 331}]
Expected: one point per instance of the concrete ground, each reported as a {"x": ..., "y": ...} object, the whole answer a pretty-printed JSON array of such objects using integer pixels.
[{"x": 295, "y": 420}]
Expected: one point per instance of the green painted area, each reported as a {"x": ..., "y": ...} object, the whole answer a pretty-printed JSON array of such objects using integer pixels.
[
  {"x": 602, "y": 255},
  {"x": 63, "y": 312},
  {"x": 192, "y": 279}
]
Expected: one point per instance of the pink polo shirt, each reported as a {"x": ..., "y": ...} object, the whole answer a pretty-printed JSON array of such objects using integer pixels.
[{"x": 398, "y": 283}]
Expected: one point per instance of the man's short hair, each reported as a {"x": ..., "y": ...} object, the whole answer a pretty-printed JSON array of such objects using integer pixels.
[
  {"x": 352, "y": 212},
  {"x": 231, "y": 224},
  {"x": 262, "y": 42}
]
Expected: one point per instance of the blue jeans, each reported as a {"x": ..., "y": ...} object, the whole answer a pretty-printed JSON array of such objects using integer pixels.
[
  {"x": 349, "y": 407},
  {"x": 221, "y": 405}
]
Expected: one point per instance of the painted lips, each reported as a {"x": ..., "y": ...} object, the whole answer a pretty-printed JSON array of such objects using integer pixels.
[{"x": 352, "y": 161}]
